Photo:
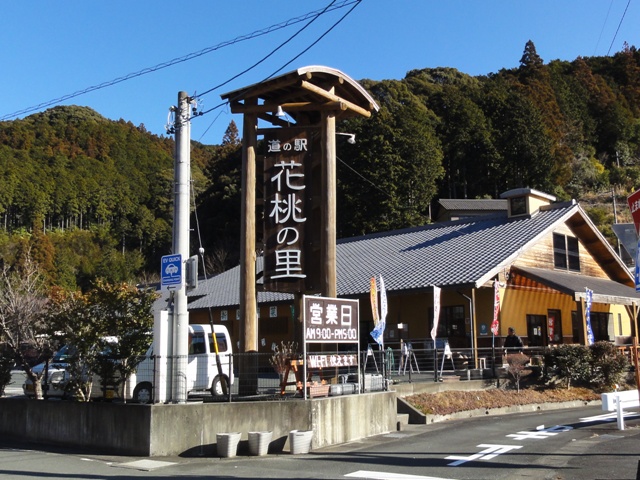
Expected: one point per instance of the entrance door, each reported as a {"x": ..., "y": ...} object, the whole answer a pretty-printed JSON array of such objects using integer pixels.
[{"x": 537, "y": 330}]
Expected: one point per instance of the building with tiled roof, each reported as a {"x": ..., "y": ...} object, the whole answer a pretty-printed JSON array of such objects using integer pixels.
[
  {"x": 543, "y": 255},
  {"x": 456, "y": 209}
]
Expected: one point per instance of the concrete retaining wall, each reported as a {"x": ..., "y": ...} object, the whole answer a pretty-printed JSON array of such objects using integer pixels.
[
  {"x": 104, "y": 427},
  {"x": 158, "y": 430}
]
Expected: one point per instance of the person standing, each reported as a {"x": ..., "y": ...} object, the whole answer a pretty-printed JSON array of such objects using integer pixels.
[{"x": 512, "y": 343}]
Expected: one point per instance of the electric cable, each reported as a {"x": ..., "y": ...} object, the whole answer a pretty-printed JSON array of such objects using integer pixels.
[
  {"x": 602, "y": 29},
  {"x": 386, "y": 194},
  {"x": 175, "y": 61},
  {"x": 357, "y": 2},
  {"x": 270, "y": 53},
  {"x": 618, "y": 29}
]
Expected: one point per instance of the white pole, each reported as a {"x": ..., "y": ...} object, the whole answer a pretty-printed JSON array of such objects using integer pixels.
[
  {"x": 619, "y": 412},
  {"x": 181, "y": 226}
]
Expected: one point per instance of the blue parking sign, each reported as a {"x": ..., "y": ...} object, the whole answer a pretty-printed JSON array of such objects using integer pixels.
[{"x": 171, "y": 272}]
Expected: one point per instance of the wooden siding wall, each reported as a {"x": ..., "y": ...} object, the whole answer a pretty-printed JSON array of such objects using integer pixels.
[
  {"x": 517, "y": 303},
  {"x": 541, "y": 256}
]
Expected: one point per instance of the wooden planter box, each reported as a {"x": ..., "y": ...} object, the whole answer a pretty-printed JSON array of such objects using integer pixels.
[{"x": 318, "y": 390}]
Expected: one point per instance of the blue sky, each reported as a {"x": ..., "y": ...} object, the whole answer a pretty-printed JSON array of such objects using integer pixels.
[{"x": 53, "y": 49}]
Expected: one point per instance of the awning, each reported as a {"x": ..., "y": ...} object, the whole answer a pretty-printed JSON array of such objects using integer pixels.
[{"x": 574, "y": 284}]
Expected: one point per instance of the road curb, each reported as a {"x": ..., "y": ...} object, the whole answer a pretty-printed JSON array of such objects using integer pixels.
[{"x": 487, "y": 412}]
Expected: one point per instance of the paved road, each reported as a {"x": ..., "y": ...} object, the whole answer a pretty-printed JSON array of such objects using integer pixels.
[
  {"x": 571, "y": 444},
  {"x": 15, "y": 386}
]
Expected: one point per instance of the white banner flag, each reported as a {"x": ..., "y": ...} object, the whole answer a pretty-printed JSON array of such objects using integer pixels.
[
  {"x": 383, "y": 301},
  {"x": 436, "y": 313}
]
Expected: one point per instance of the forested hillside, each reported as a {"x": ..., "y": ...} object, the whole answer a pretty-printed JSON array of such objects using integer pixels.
[{"x": 89, "y": 197}]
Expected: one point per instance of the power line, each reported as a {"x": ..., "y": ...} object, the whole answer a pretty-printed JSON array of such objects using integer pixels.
[
  {"x": 317, "y": 40},
  {"x": 356, "y": 2},
  {"x": 270, "y": 53},
  {"x": 602, "y": 30},
  {"x": 619, "y": 25},
  {"x": 386, "y": 194},
  {"x": 178, "y": 60}
]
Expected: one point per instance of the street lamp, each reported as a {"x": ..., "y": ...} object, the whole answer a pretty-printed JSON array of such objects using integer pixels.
[{"x": 351, "y": 137}]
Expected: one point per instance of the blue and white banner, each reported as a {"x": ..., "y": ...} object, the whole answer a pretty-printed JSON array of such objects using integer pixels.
[
  {"x": 589, "y": 300},
  {"x": 378, "y": 331}
]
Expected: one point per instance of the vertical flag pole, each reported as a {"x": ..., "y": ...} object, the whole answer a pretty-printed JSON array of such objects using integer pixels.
[
  {"x": 434, "y": 329},
  {"x": 495, "y": 327}
]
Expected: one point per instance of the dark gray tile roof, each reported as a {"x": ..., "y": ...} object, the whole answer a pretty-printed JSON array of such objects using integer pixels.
[
  {"x": 463, "y": 252},
  {"x": 474, "y": 204}
]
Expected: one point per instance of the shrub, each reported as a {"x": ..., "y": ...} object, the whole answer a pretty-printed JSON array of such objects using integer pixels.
[
  {"x": 608, "y": 365},
  {"x": 517, "y": 367},
  {"x": 282, "y": 355},
  {"x": 569, "y": 363}
]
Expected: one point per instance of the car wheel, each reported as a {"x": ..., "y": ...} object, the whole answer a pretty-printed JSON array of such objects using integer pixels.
[
  {"x": 219, "y": 386},
  {"x": 143, "y": 393}
]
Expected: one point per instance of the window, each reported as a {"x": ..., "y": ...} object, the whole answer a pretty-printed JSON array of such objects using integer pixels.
[
  {"x": 197, "y": 346},
  {"x": 221, "y": 340},
  {"x": 518, "y": 205},
  {"x": 451, "y": 322},
  {"x": 536, "y": 330},
  {"x": 599, "y": 324},
  {"x": 566, "y": 254}
]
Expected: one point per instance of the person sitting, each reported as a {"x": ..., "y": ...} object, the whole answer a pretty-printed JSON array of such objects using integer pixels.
[{"x": 512, "y": 343}]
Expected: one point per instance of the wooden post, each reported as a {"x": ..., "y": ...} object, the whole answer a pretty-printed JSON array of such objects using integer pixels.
[
  {"x": 634, "y": 321},
  {"x": 583, "y": 315},
  {"x": 248, "y": 301},
  {"x": 248, "y": 311},
  {"x": 635, "y": 364},
  {"x": 328, "y": 209}
]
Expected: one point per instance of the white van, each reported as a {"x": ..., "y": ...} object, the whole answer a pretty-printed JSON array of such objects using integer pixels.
[{"x": 202, "y": 368}]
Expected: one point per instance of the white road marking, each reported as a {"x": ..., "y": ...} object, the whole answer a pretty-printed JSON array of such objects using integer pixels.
[
  {"x": 390, "y": 476},
  {"x": 607, "y": 417},
  {"x": 540, "y": 433},
  {"x": 491, "y": 451},
  {"x": 145, "y": 465}
]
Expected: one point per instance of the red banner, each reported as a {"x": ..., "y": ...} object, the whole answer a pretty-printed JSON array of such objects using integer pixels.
[
  {"x": 634, "y": 205},
  {"x": 495, "y": 325}
]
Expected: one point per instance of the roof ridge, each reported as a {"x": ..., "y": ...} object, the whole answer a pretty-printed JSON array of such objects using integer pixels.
[{"x": 427, "y": 226}]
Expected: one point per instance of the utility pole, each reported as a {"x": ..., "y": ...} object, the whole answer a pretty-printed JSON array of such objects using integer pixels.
[{"x": 181, "y": 228}]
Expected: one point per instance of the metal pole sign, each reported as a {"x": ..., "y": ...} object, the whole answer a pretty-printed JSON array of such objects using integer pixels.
[
  {"x": 634, "y": 205},
  {"x": 171, "y": 272},
  {"x": 330, "y": 320}
]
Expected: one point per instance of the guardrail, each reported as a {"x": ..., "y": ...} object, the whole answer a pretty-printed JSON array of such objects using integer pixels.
[{"x": 618, "y": 401}]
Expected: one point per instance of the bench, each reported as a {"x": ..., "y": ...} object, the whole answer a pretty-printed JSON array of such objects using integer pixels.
[{"x": 617, "y": 401}]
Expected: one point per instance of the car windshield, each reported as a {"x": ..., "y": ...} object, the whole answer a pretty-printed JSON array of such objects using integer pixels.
[{"x": 63, "y": 354}]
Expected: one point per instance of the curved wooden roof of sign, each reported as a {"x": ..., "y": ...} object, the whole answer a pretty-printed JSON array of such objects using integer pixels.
[{"x": 306, "y": 92}]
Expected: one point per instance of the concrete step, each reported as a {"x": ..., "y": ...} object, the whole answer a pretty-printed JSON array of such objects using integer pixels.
[{"x": 402, "y": 420}]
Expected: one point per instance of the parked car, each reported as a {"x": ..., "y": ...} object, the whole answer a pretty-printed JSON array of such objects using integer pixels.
[
  {"x": 202, "y": 369},
  {"x": 58, "y": 375}
]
